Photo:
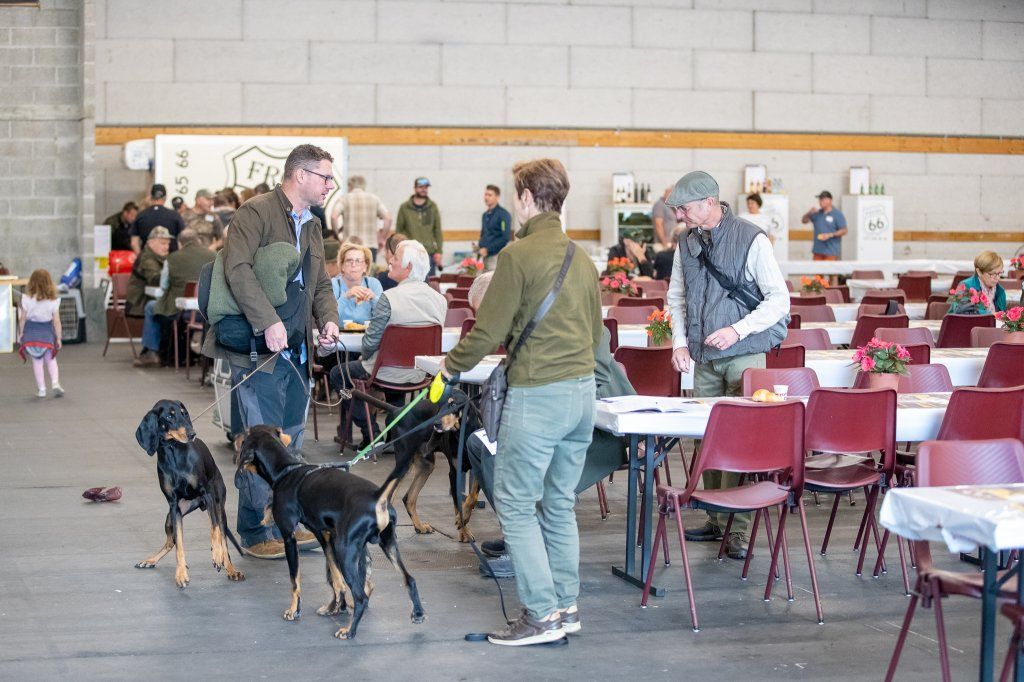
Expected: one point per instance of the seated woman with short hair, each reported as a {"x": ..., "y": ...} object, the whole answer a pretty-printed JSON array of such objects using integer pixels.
[
  {"x": 355, "y": 292},
  {"x": 988, "y": 268}
]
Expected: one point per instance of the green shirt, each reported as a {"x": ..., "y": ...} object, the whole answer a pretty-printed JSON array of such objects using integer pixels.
[
  {"x": 562, "y": 346},
  {"x": 422, "y": 223}
]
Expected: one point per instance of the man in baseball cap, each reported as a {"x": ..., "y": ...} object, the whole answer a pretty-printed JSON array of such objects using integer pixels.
[
  {"x": 419, "y": 218},
  {"x": 156, "y": 215},
  {"x": 202, "y": 219},
  {"x": 735, "y": 309},
  {"x": 829, "y": 228}
]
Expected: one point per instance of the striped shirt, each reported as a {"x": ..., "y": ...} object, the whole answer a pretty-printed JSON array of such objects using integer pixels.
[{"x": 359, "y": 211}]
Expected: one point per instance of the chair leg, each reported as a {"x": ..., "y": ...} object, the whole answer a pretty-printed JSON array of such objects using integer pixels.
[
  {"x": 602, "y": 500},
  {"x": 810, "y": 564},
  {"x": 940, "y": 634},
  {"x": 686, "y": 567},
  {"x": 174, "y": 330},
  {"x": 682, "y": 458},
  {"x": 871, "y": 529},
  {"x": 725, "y": 538},
  {"x": 188, "y": 355},
  {"x": 316, "y": 426},
  {"x": 828, "y": 528},
  {"x": 860, "y": 531},
  {"x": 894, "y": 661},
  {"x": 775, "y": 558},
  {"x": 659, "y": 537},
  {"x": 750, "y": 546},
  {"x": 1011, "y": 653},
  {"x": 128, "y": 333},
  {"x": 903, "y": 569}
]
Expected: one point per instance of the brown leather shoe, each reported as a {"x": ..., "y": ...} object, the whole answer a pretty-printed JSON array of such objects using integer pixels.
[
  {"x": 268, "y": 549},
  {"x": 147, "y": 359},
  {"x": 736, "y": 547},
  {"x": 305, "y": 540}
]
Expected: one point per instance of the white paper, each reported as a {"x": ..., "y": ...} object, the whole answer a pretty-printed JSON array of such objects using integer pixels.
[
  {"x": 492, "y": 447},
  {"x": 645, "y": 403}
]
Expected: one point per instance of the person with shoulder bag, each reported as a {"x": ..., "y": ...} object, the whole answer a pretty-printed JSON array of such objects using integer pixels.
[{"x": 548, "y": 314}]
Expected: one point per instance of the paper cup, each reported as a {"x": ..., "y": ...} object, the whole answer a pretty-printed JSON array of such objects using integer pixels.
[{"x": 781, "y": 390}]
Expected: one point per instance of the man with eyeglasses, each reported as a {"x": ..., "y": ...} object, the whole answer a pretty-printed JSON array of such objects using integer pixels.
[
  {"x": 735, "y": 309},
  {"x": 278, "y": 392}
]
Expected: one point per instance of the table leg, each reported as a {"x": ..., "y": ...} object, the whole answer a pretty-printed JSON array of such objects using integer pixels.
[
  {"x": 648, "y": 504},
  {"x": 629, "y": 571},
  {"x": 988, "y": 615}
]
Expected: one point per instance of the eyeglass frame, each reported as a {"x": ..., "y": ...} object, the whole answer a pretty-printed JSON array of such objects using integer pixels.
[{"x": 326, "y": 178}]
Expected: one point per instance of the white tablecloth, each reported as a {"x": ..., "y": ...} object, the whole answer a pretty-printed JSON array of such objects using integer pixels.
[
  {"x": 842, "y": 332},
  {"x": 858, "y": 287},
  {"x": 154, "y": 292},
  {"x": 918, "y": 417},
  {"x": 889, "y": 267},
  {"x": 847, "y": 312},
  {"x": 184, "y": 303},
  {"x": 964, "y": 517},
  {"x": 834, "y": 369}
]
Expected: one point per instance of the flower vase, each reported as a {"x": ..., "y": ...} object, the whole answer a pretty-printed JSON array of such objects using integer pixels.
[
  {"x": 880, "y": 380},
  {"x": 1012, "y": 337},
  {"x": 612, "y": 297}
]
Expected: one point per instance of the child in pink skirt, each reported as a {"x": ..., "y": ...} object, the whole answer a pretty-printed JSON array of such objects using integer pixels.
[{"x": 39, "y": 330}]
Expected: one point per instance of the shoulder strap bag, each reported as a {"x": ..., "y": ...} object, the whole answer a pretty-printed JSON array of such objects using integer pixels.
[
  {"x": 734, "y": 291},
  {"x": 492, "y": 397}
]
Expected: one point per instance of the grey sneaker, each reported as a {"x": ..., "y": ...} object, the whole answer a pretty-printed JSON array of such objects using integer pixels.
[
  {"x": 501, "y": 566},
  {"x": 58, "y": 392},
  {"x": 570, "y": 620},
  {"x": 527, "y": 630}
]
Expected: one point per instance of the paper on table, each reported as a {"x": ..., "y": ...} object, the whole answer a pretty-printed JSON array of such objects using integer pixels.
[
  {"x": 645, "y": 403},
  {"x": 492, "y": 447}
]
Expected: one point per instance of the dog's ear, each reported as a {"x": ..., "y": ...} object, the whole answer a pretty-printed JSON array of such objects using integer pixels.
[{"x": 148, "y": 433}]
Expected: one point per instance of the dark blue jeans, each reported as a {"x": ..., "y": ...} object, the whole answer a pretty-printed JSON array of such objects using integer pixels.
[{"x": 279, "y": 398}]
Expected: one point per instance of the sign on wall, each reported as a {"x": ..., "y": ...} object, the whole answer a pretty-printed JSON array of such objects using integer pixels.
[
  {"x": 188, "y": 163},
  {"x": 869, "y": 220}
]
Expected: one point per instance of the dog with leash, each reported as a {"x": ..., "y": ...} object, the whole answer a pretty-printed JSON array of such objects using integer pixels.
[
  {"x": 344, "y": 512},
  {"x": 190, "y": 480}
]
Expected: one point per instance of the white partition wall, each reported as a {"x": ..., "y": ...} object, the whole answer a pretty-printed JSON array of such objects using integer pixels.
[
  {"x": 775, "y": 210},
  {"x": 870, "y": 224}
]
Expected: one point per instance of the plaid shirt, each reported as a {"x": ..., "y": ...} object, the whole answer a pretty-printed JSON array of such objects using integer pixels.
[{"x": 359, "y": 211}]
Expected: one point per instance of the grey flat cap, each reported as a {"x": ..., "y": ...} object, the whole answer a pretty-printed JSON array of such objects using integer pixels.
[{"x": 691, "y": 187}]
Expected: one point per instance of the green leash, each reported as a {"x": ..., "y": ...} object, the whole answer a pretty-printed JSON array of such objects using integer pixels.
[{"x": 405, "y": 410}]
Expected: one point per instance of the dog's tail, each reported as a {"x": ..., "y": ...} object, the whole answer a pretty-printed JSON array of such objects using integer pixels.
[
  {"x": 381, "y": 507},
  {"x": 231, "y": 536}
]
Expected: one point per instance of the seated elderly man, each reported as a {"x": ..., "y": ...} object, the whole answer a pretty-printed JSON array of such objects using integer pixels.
[
  {"x": 605, "y": 454},
  {"x": 180, "y": 268},
  {"x": 146, "y": 272},
  {"x": 411, "y": 302}
]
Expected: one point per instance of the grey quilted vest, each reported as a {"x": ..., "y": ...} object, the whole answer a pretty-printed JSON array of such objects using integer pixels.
[{"x": 708, "y": 307}]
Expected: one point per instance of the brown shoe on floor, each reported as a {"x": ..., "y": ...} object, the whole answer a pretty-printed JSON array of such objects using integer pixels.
[
  {"x": 305, "y": 540},
  {"x": 268, "y": 549},
  {"x": 736, "y": 548},
  {"x": 147, "y": 359},
  {"x": 527, "y": 630}
]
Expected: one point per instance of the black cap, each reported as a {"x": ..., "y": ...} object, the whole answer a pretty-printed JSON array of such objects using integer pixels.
[
  {"x": 825, "y": 194},
  {"x": 176, "y": 202},
  {"x": 157, "y": 191}
]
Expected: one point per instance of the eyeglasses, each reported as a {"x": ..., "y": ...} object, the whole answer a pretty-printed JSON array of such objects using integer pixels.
[{"x": 327, "y": 178}]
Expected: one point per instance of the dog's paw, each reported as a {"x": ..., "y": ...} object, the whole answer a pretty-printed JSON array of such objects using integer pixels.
[
  {"x": 465, "y": 535},
  {"x": 237, "y": 576},
  {"x": 418, "y": 618},
  {"x": 291, "y": 615},
  {"x": 424, "y": 528},
  {"x": 331, "y": 609},
  {"x": 343, "y": 633},
  {"x": 181, "y": 577},
  {"x": 146, "y": 563}
]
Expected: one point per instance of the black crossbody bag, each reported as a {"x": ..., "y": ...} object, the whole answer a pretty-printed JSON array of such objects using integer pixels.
[
  {"x": 492, "y": 397},
  {"x": 733, "y": 290}
]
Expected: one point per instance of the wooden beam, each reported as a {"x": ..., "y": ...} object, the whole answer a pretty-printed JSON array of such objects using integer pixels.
[
  {"x": 930, "y": 236},
  {"x": 573, "y": 137},
  {"x": 474, "y": 235}
]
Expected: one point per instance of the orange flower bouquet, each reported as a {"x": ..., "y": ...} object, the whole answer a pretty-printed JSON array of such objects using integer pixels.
[
  {"x": 623, "y": 265},
  {"x": 659, "y": 326},
  {"x": 471, "y": 267},
  {"x": 813, "y": 285}
]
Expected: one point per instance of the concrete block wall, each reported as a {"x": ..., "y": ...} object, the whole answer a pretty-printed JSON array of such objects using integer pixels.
[
  {"x": 46, "y": 94},
  {"x": 880, "y": 66}
]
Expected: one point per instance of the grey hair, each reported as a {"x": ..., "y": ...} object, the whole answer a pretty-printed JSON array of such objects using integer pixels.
[
  {"x": 357, "y": 181},
  {"x": 479, "y": 288},
  {"x": 415, "y": 255},
  {"x": 187, "y": 236}
]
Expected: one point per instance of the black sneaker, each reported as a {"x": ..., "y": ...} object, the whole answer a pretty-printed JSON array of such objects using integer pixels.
[
  {"x": 527, "y": 630},
  {"x": 493, "y": 548},
  {"x": 706, "y": 533},
  {"x": 502, "y": 567},
  {"x": 570, "y": 620}
]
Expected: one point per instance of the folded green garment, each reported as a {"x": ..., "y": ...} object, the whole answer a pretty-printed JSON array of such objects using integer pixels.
[{"x": 274, "y": 265}]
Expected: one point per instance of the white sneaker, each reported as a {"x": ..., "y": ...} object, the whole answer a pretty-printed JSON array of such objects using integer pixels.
[
  {"x": 58, "y": 392},
  {"x": 41, "y": 393}
]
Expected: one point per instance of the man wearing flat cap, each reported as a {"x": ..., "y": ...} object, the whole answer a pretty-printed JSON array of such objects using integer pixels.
[{"x": 730, "y": 305}]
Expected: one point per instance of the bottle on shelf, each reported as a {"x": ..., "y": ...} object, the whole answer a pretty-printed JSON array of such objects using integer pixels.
[
  {"x": 883, "y": 189},
  {"x": 768, "y": 186}
]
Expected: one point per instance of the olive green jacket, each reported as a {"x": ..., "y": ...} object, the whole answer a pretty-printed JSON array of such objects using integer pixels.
[
  {"x": 422, "y": 223},
  {"x": 145, "y": 273},
  {"x": 562, "y": 346},
  {"x": 183, "y": 266}
]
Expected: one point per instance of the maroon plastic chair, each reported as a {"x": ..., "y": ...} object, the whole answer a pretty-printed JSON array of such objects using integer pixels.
[
  {"x": 459, "y": 303},
  {"x": 937, "y": 310},
  {"x": 613, "y": 329},
  {"x": 464, "y": 281},
  {"x": 920, "y": 353},
  {"x": 118, "y": 311},
  {"x": 945, "y": 463},
  {"x": 650, "y": 370},
  {"x": 456, "y": 316},
  {"x": 794, "y": 321},
  {"x": 789, "y": 286},
  {"x": 878, "y": 309},
  {"x": 815, "y": 313},
  {"x": 847, "y": 421},
  {"x": 938, "y": 298},
  {"x": 906, "y": 335},
  {"x": 811, "y": 339},
  {"x": 434, "y": 284},
  {"x": 1010, "y": 284},
  {"x": 458, "y": 294},
  {"x": 955, "y": 331},
  {"x": 960, "y": 276},
  {"x": 925, "y": 378},
  {"x": 867, "y": 274},
  {"x": 883, "y": 296},
  {"x": 833, "y": 296},
  {"x": 983, "y": 413},
  {"x": 1004, "y": 366},
  {"x": 800, "y": 380},
  {"x": 916, "y": 287},
  {"x": 655, "y": 288},
  {"x": 631, "y": 314},
  {"x": 984, "y": 337},
  {"x": 467, "y": 327},
  {"x": 785, "y": 356},
  {"x": 842, "y": 289},
  {"x": 801, "y": 301},
  {"x": 448, "y": 278},
  {"x": 657, "y": 302},
  {"x": 867, "y": 324},
  {"x": 779, "y": 451}
]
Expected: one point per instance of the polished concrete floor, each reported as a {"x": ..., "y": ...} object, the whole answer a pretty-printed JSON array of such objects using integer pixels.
[{"x": 73, "y": 606}]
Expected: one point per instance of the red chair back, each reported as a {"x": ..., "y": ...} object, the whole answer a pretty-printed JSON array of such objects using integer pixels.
[
  {"x": 400, "y": 345},
  {"x": 955, "y": 331},
  {"x": 794, "y": 321},
  {"x": 960, "y": 276},
  {"x": 458, "y": 293},
  {"x": 844, "y": 420},
  {"x": 448, "y": 278},
  {"x": 801, "y": 301},
  {"x": 867, "y": 274},
  {"x": 844, "y": 290},
  {"x": 800, "y": 380},
  {"x": 785, "y": 356},
  {"x": 650, "y": 370},
  {"x": 983, "y": 413},
  {"x": 657, "y": 302},
  {"x": 456, "y": 316},
  {"x": 631, "y": 314},
  {"x": 119, "y": 289},
  {"x": 917, "y": 287},
  {"x": 434, "y": 284},
  {"x": 613, "y": 331},
  {"x": 984, "y": 337},
  {"x": 1004, "y": 366},
  {"x": 920, "y": 353},
  {"x": 925, "y": 378},
  {"x": 867, "y": 324},
  {"x": 655, "y": 287},
  {"x": 459, "y": 303},
  {"x": 789, "y": 285},
  {"x": 780, "y": 440},
  {"x": 998, "y": 461},
  {"x": 1011, "y": 284},
  {"x": 815, "y": 313},
  {"x": 832, "y": 296},
  {"x": 467, "y": 326},
  {"x": 191, "y": 289},
  {"x": 937, "y": 310},
  {"x": 883, "y": 296},
  {"x": 906, "y": 335},
  {"x": 464, "y": 281},
  {"x": 811, "y": 339},
  {"x": 878, "y": 309}
]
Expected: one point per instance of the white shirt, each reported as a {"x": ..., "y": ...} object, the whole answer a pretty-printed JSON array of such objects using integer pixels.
[
  {"x": 762, "y": 267},
  {"x": 39, "y": 311}
]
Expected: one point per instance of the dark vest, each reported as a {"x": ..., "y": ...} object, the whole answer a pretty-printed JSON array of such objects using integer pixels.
[
  {"x": 183, "y": 266},
  {"x": 708, "y": 307}
]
